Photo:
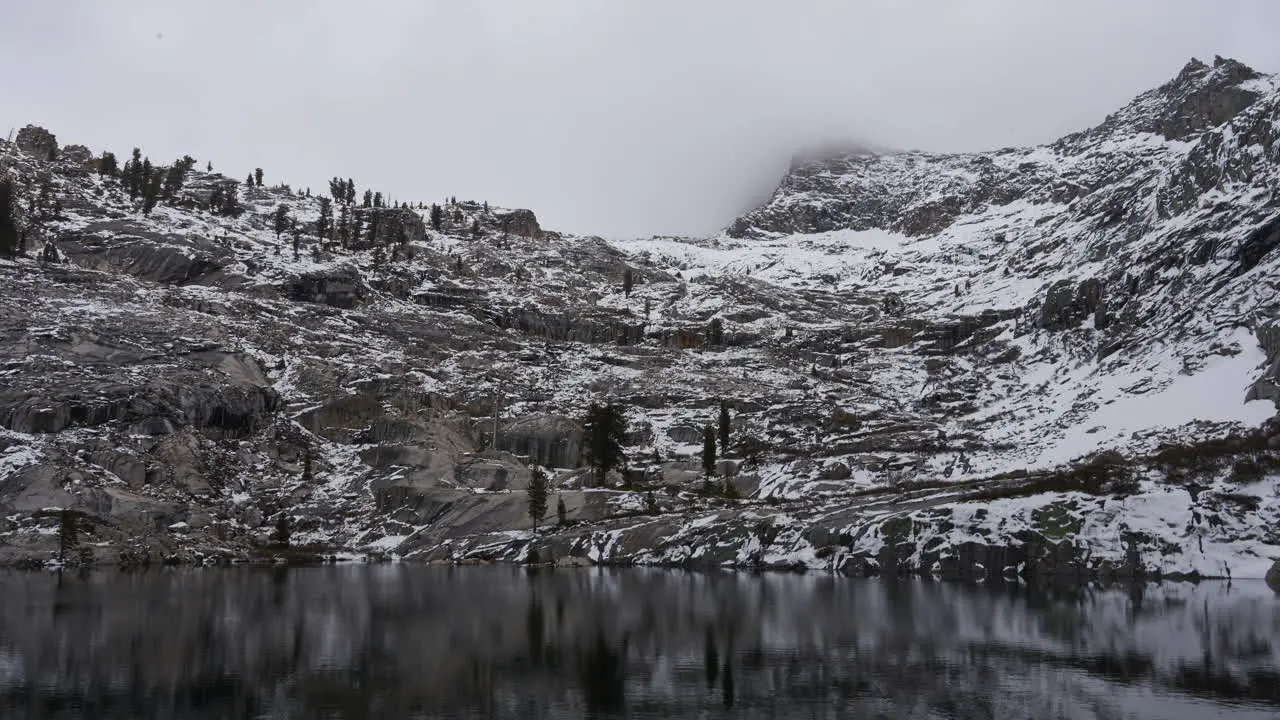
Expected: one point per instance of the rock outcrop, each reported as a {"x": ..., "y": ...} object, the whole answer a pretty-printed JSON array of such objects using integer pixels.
[
  {"x": 520, "y": 222},
  {"x": 37, "y": 142}
]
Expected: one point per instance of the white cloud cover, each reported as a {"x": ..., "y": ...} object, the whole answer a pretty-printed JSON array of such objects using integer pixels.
[{"x": 619, "y": 118}]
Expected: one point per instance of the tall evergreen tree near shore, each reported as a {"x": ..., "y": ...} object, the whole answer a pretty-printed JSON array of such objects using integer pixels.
[
  {"x": 537, "y": 497},
  {"x": 10, "y": 240},
  {"x": 605, "y": 430}
]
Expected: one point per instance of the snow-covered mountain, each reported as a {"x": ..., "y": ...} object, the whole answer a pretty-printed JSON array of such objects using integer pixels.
[{"x": 1050, "y": 359}]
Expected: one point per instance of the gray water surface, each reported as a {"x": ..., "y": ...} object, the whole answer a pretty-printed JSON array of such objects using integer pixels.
[{"x": 397, "y": 641}]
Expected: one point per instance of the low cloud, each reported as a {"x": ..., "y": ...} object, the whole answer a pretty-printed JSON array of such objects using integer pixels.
[{"x": 614, "y": 118}]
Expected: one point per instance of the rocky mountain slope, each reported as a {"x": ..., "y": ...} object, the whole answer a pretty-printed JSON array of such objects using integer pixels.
[{"x": 1060, "y": 359}]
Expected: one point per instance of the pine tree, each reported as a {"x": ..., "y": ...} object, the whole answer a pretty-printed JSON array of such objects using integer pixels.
[
  {"x": 174, "y": 178},
  {"x": 108, "y": 166},
  {"x": 351, "y": 191},
  {"x": 368, "y": 198},
  {"x": 280, "y": 221},
  {"x": 647, "y": 308},
  {"x": 324, "y": 223},
  {"x": 284, "y": 531},
  {"x": 475, "y": 229},
  {"x": 248, "y": 181},
  {"x": 344, "y": 225},
  {"x": 379, "y": 258},
  {"x": 650, "y": 503},
  {"x": 626, "y": 282},
  {"x": 208, "y": 167},
  {"x": 230, "y": 204},
  {"x": 131, "y": 176},
  {"x": 42, "y": 208},
  {"x": 377, "y": 200},
  {"x": 537, "y": 497},
  {"x": 68, "y": 532},
  {"x": 437, "y": 215},
  {"x": 715, "y": 331},
  {"x": 144, "y": 177},
  {"x": 307, "y": 477},
  {"x": 315, "y": 253},
  {"x": 562, "y": 513},
  {"x": 257, "y": 177},
  {"x": 724, "y": 428},
  {"x": 151, "y": 194},
  {"x": 709, "y": 451},
  {"x": 9, "y": 238},
  {"x": 605, "y": 432}
]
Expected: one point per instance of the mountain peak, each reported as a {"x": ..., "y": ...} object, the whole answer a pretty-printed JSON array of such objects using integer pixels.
[
  {"x": 1200, "y": 97},
  {"x": 1194, "y": 66}
]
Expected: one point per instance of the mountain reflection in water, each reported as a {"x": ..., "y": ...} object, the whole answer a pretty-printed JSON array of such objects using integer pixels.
[{"x": 398, "y": 641}]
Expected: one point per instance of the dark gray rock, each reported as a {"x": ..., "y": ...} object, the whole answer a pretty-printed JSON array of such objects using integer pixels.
[
  {"x": 79, "y": 156},
  {"x": 37, "y": 142},
  {"x": 341, "y": 287},
  {"x": 548, "y": 440},
  {"x": 520, "y": 222},
  {"x": 124, "y": 246},
  {"x": 1273, "y": 577},
  {"x": 394, "y": 226},
  {"x": 1066, "y": 304}
]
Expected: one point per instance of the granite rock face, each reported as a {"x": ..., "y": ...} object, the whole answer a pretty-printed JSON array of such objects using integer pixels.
[{"x": 1042, "y": 361}]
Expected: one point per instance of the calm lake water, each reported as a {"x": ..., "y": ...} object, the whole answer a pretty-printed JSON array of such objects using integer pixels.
[{"x": 396, "y": 641}]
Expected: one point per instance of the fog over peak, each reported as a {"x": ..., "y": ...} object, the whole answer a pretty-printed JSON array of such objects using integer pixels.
[{"x": 611, "y": 118}]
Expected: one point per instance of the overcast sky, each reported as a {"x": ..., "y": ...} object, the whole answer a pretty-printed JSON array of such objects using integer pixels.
[{"x": 603, "y": 116}]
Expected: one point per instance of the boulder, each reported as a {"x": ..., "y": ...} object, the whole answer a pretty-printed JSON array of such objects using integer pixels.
[
  {"x": 835, "y": 471},
  {"x": 1272, "y": 577}
]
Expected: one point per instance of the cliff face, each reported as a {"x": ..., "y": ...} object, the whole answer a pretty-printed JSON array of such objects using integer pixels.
[{"x": 1050, "y": 359}]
